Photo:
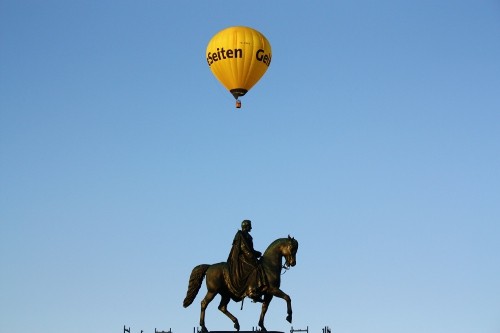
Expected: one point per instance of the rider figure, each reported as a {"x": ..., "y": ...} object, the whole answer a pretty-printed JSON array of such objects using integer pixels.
[{"x": 246, "y": 275}]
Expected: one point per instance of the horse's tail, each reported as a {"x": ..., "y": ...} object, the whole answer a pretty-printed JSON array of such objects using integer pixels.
[{"x": 195, "y": 281}]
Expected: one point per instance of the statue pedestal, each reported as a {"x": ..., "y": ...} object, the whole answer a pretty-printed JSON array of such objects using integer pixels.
[{"x": 244, "y": 331}]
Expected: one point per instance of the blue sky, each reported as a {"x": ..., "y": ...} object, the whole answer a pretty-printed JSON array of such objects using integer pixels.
[{"x": 373, "y": 139}]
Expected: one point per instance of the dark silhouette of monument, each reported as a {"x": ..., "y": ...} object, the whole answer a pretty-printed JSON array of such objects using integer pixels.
[{"x": 246, "y": 274}]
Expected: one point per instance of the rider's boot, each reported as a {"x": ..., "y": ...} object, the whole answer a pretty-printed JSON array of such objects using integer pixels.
[{"x": 253, "y": 294}]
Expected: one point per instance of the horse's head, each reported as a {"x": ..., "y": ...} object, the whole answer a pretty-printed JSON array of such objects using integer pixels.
[{"x": 290, "y": 251}]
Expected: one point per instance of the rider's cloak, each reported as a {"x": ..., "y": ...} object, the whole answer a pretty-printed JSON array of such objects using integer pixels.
[{"x": 243, "y": 264}]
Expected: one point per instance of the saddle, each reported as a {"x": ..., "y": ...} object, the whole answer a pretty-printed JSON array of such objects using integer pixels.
[{"x": 237, "y": 294}]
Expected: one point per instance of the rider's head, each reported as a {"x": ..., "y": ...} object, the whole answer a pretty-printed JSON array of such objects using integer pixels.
[{"x": 246, "y": 225}]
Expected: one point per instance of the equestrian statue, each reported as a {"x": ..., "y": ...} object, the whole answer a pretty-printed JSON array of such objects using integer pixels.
[{"x": 247, "y": 273}]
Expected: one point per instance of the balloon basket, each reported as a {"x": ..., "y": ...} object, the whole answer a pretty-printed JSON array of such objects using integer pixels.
[{"x": 238, "y": 104}]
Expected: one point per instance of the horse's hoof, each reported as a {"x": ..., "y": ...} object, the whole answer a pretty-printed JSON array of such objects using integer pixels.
[
  {"x": 237, "y": 326},
  {"x": 263, "y": 329},
  {"x": 204, "y": 329},
  {"x": 289, "y": 318}
]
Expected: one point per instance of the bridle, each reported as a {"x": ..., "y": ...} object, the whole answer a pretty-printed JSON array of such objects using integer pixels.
[{"x": 286, "y": 265}]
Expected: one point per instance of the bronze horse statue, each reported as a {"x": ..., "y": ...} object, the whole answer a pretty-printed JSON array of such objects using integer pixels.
[{"x": 217, "y": 280}]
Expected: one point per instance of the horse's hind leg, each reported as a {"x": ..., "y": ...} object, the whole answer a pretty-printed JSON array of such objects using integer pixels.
[
  {"x": 204, "y": 303},
  {"x": 223, "y": 308}
]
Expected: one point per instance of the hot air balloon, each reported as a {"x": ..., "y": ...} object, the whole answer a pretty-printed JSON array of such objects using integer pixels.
[{"x": 238, "y": 57}]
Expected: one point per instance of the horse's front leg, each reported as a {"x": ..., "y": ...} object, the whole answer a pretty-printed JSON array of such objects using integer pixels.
[
  {"x": 279, "y": 293},
  {"x": 265, "y": 306}
]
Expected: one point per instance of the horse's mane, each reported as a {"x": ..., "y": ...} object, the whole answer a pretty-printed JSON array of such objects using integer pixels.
[{"x": 279, "y": 241}]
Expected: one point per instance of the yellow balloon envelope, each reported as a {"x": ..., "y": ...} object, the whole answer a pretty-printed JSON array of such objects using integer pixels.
[{"x": 238, "y": 57}]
